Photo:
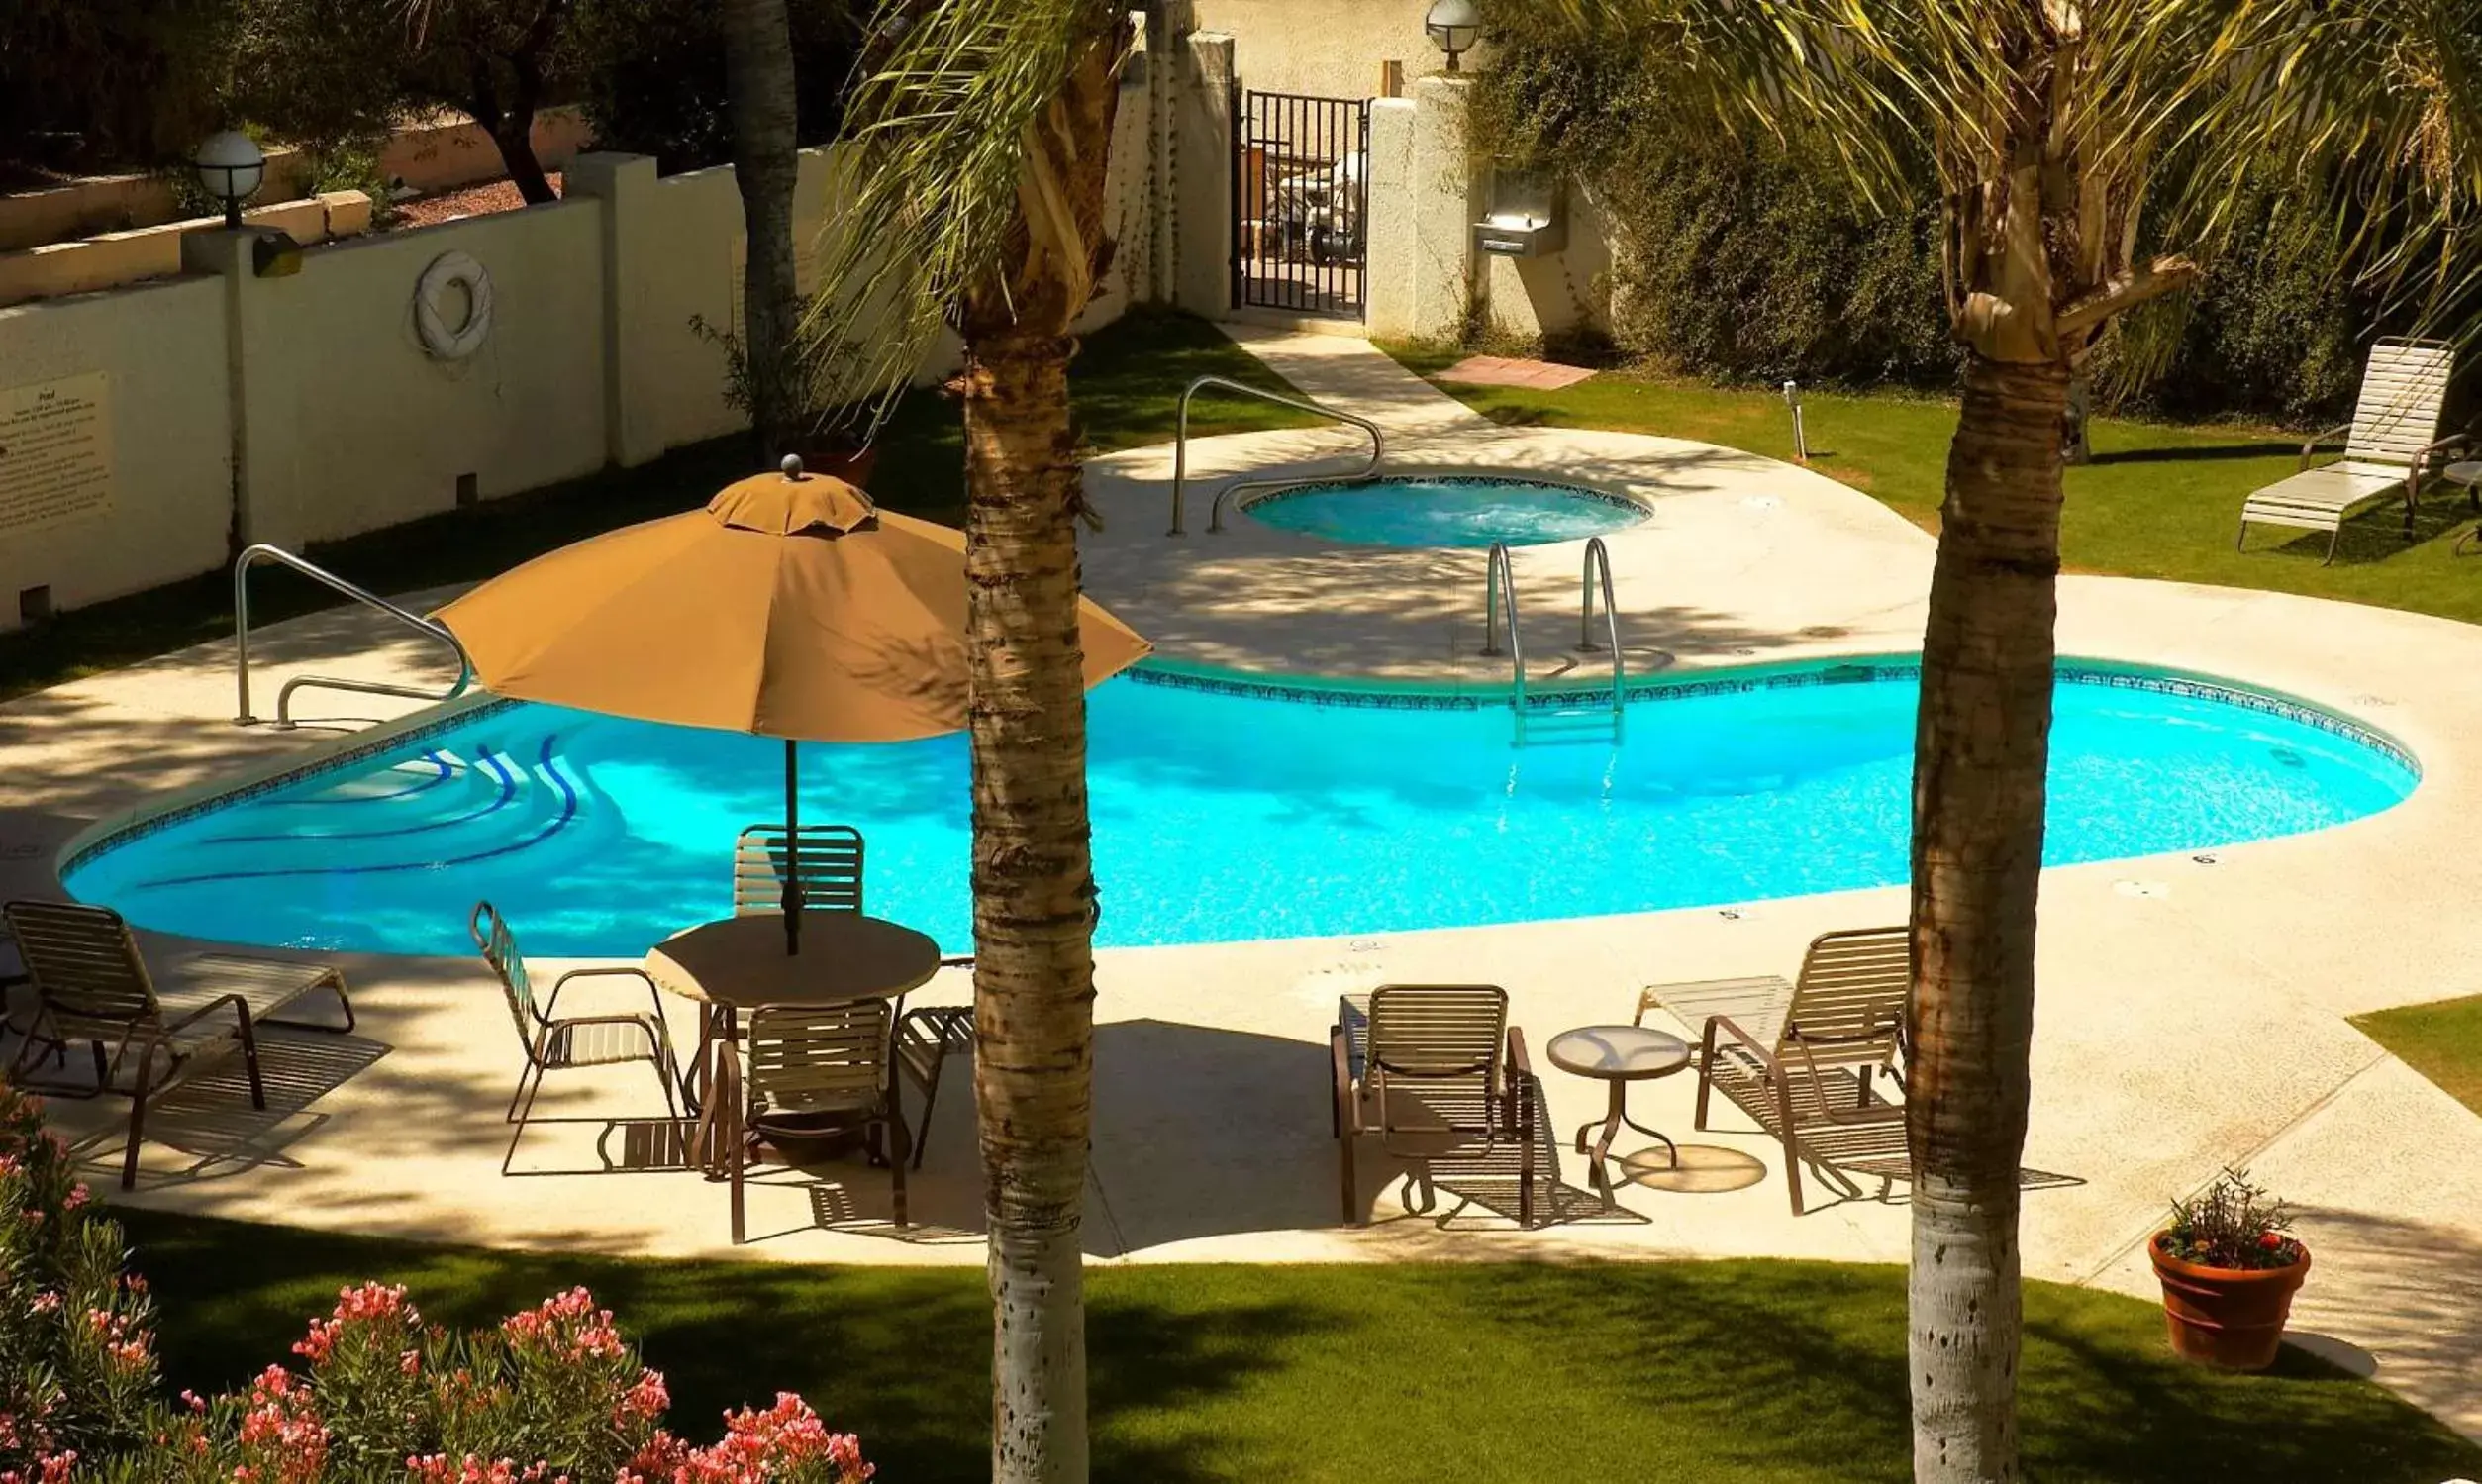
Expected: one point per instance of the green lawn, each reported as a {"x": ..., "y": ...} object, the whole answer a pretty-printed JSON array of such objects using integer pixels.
[
  {"x": 2442, "y": 1040},
  {"x": 2157, "y": 501},
  {"x": 1707, "y": 1373},
  {"x": 1125, "y": 386}
]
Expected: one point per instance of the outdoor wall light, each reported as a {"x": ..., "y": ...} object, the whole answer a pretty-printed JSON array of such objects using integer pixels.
[
  {"x": 231, "y": 168},
  {"x": 1454, "y": 26}
]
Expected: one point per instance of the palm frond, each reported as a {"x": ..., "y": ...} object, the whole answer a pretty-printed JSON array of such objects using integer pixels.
[
  {"x": 2377, "y": 107},
  {"x": 940, "y": 136}
]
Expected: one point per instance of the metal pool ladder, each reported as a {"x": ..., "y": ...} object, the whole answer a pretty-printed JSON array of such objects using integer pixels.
[
  {"x": 284, "y": 697},
  {"x": 1499, "y": 595},
  {"x": 1180, "y": 450}
]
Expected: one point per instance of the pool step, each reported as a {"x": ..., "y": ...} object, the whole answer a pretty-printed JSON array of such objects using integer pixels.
[
  {"x": 1558, "y": 719},
  {"x": 1572, "y": 724}
]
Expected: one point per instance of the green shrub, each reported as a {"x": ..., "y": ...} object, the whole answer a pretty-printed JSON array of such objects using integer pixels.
[
  {"x": 1733, "y": 260},
  {"x": 109, "y": 84}
]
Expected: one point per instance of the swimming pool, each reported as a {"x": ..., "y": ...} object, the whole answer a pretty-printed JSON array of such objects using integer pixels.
[
  {"x": 1449, "y": 510},
  {"x": 1220, "y": 814}
]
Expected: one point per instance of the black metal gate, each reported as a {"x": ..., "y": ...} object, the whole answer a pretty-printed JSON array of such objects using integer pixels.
[{"x": 1301, "y": 188}]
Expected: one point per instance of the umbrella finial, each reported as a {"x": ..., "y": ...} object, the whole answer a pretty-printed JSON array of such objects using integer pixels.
[{"x": 792, "y": 466}]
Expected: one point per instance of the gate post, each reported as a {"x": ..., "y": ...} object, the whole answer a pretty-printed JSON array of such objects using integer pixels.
[
  {"x": 1202, "y": 176},
  {"x": 1388, "y": 268},
  {"x": 1447, "y": 204}
]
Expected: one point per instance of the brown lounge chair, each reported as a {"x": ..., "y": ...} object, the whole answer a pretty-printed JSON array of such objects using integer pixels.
[
  {"x": 1803, "y": 1058},
  {"x": 556, "y": 1042},
  {"x": 1436, "y": 1072},
  {"x": 92, "y": 985},
  {"x": 811, "y": 1066}
]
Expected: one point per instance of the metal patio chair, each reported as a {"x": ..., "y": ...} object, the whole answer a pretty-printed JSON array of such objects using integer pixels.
[
  {"x": 556, "y": 1042},
  {"x": 826, "y": 867},
  {"x": 809, "y": 1066}
]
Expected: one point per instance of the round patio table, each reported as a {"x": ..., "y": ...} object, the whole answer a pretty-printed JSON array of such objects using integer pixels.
[
  {"x": 1617, "y": 1056},
  {"x": 739, "y": 963}
]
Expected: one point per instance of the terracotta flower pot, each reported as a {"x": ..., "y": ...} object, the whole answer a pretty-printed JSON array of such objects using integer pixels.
[
  {"x": 837, "y": 459},
  {"x": 2232, "y": 1318}
]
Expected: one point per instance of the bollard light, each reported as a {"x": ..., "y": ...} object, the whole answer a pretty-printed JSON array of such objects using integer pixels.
[
  {"x": 1453, "y": 27},
  {"x": 1801, "y": 438},
  {"x": 231, "y": 168}
]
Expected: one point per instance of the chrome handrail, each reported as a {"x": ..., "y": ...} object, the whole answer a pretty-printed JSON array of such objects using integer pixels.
[
  {"x": 1180, "y": 447},
  {"x": 1599, "y": 559},
  {"x": 284, "y": 696},
  {"x": 1499, "y": 591}
]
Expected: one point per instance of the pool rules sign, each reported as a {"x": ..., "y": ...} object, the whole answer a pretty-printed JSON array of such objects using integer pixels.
[{"x": 56, "y": 453}]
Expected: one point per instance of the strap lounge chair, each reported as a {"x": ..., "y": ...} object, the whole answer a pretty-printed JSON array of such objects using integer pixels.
[
  {"x": 810, "y": 1065},
  {"x": 1803, "y": 1059},
  {"x": 556, "y": 1042},
  {"x": 2392, "y": 445},
  {"x": 825, "y": 868},
  {"x": 1435, "y": 1070},
  {"x": 92, "y": 985}
]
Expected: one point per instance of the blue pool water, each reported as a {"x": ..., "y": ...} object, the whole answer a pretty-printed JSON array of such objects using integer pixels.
[
  {"x": 1451, "y": 511},
  {"x": 1217, "y": 816}
]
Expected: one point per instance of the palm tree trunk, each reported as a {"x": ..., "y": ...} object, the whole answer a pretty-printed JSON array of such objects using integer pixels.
[
  {"x": 766, "y": 166},
  {"x": 1982, "y": 744},
  {"x": 1034, "y": 895}
]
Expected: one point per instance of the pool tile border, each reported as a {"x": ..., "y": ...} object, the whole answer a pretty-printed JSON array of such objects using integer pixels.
[
  {"x": 1796, "y": 675},
  {"x": 1799, "y": 674},
  {"x": 1635, "y": 507}
]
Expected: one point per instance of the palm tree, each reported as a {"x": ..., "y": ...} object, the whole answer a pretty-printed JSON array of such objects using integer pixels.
[
  {"x": 761, "y": 104},
  {"x": 2062, "y": 133},
  {"x": 984, "y": 132}
]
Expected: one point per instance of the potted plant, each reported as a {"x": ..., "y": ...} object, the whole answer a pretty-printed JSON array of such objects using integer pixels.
[
  {"x": 2230, "y": 1267},
  {"x": 821, "y": 440}
]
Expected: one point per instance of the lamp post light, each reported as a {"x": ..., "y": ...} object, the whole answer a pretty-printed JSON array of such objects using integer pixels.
[
  {"x": 231, "y": 168},
  {"x": 1453, "y": 27}
]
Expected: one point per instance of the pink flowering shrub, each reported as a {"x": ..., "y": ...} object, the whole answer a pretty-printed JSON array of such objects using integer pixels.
[
  {"x": 554, "y": 1395},
  {"x": 77, "y": 1362}
]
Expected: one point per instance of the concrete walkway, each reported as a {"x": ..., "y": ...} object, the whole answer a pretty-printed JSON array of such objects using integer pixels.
[
  {"x": 2192, "y": 1011},
  {"x": 1351, "y": 375}
]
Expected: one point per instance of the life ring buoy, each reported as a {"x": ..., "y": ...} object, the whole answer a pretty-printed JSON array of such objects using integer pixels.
[{"x": 450, "y": 271}]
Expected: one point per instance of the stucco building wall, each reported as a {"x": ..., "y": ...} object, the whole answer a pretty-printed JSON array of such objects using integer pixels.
[
  {"x": 1330, "y": 49},
  {"x": 168, "y": 432}
]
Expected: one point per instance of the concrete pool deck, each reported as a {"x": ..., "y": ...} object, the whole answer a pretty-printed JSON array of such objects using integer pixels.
[{"x": 2191, "y": 1013}]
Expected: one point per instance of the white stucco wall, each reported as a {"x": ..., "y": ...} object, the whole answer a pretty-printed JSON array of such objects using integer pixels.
[
  {"x": 162, "y": 348},
  {"x": 1328, "y": 49},
  {"x": 353, "y": 425},
  {"x": 344, "y": 423}
]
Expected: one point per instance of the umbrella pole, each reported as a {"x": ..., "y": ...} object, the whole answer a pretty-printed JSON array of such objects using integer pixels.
[{"x": 792, "y": 849}]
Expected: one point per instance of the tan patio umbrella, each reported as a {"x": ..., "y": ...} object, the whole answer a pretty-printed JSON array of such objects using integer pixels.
[{"x": 790, "y": 607}]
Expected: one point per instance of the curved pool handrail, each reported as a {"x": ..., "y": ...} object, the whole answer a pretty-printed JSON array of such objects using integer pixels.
[
  {"x": 1180, "y": 447},
  {"x": 1599, "y": 562},
  {"x": 1499, "y": 594},
  {"x": 430, "y": 627}
]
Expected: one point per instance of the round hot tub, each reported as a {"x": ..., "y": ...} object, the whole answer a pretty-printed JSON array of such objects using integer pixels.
[{"x": 1449, "y": 510}]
